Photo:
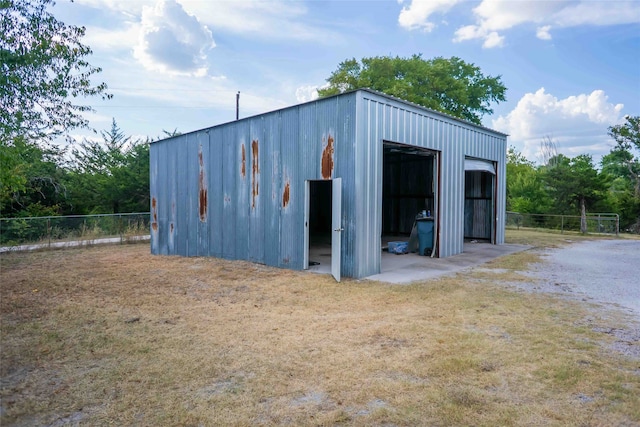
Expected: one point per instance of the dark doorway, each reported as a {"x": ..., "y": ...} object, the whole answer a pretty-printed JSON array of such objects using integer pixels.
[
  {"x": 320, "y": 195},
  {"x": 478, "y": 205}
]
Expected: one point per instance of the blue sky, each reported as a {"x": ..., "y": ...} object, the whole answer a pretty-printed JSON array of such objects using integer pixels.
[{"x": 572, "y": 68}]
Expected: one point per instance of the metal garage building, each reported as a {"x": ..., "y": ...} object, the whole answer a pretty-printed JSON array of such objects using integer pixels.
[{"x": 350, "y": 171}]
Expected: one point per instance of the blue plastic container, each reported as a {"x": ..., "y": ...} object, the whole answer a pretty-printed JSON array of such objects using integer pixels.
[{"x": 425, "y": 236}]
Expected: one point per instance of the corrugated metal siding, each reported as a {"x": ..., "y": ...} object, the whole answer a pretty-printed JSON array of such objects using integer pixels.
[
  {"x": 380, "y": 118},
  {"x": 253, "y": 172},
  {"x": 237, "y": 190}
]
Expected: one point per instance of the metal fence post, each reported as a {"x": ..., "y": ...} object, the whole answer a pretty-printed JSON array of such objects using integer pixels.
[
  {"x": 562, "y": 224},
  {"x": 617, "y": 225},
  {"x": 120, "y": 227},
  {"x": 49, "y": 231}
]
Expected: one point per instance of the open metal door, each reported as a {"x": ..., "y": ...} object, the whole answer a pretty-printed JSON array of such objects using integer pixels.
[{"x": 336, "y": 227}]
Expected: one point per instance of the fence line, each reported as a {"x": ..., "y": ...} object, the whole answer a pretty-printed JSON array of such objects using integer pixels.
[
  {"x": 56, "y": 231},
  {"x": 602, "y": 223}
]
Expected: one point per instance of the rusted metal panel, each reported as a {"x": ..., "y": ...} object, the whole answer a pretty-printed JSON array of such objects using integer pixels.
[
  {"x": 294, "y": 142},
  {"x": 242, "y": 136},
  {"x": 256, "y": 223},
  {"x": 327, "y": 157},
  {"x": 203, "y": 226}
]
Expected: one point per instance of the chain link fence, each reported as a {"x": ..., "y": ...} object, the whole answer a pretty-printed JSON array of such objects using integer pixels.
[
  {"x": 603, "y": 223},
  {"x": 72, "y": 230}
]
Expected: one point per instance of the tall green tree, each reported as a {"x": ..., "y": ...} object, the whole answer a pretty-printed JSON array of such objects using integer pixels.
[
  {"x": 622, "y": 164},
  {"x": 575, "y": 185},
  {"x": 44, "y": 72},
  {"x": 627, "y": 137},
  {"x": 451, "y": 85},
  {"x": 33, "y": 180},
  {"x": 526, "y": 191},
  {"x": 112, "y": 175}
]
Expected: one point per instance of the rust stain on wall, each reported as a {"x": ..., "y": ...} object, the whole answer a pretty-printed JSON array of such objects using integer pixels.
[
  {"x": 327, "y": 159},
  {"x": 154, "y": 212},
  {"x": 202, "y": 185},
  {"x": 285, "y": 195},
  {"x": 255, "y": 171},
  {"x": 243, "y": 166}
]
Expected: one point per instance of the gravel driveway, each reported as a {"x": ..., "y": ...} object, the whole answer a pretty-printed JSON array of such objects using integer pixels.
[{"x": 604, "y": 271}]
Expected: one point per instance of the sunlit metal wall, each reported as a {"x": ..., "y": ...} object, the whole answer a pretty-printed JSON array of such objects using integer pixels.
[
  {"x": 383, "y": 118},
  {"x": 236, "y": 190}
]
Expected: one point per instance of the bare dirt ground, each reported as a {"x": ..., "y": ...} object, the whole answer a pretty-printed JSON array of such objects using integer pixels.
[{"x": 115, "y": 336}]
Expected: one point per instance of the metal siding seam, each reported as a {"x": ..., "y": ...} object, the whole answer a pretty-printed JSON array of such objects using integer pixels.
[{"x": 216, "y": 194}]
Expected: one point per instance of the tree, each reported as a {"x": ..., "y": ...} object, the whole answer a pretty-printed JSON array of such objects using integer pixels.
[
  {"x": 43, "y": 72},
  {"x": 622, "y": 164},
  {"x": 574, "y": 184},
  {"x": 33, "y": 181},
  {"x": 112, "y": 175},
  {"x": 452, "y": 85},
  {"x": 627, "y": 137},
  {"x": 526, "y": 192}
]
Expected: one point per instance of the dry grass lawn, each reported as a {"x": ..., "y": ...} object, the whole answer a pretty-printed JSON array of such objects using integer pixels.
[{"x": 114, "y": 336}]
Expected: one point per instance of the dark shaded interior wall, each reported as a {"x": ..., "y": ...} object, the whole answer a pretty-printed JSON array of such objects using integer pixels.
[
  {"x": 407, "y": 188},
  {"x": 320, "y": 208},
  {"x": 478, "y": 205}
]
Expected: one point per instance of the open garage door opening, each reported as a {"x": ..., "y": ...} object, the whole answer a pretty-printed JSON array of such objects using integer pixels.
[
  {"x": 479, "y": 200},
  {"x": 409, "y": 190}
]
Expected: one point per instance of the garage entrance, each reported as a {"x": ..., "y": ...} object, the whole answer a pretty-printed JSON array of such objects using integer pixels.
[
  {"x": 409, "y": 187},
  {"x": 479, "y": 200}
]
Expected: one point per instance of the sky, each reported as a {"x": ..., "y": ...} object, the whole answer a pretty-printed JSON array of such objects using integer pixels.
[{"x": 571, "y": 68}]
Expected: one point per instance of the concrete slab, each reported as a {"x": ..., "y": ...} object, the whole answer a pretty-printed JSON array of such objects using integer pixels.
[{"x": 412, "y": 267}]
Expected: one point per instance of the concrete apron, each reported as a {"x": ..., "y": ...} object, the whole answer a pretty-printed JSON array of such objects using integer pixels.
[{"x": 413, "y": 267}]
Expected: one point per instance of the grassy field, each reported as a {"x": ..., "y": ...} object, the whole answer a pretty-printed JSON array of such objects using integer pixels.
[{"x": 114, "y": 336}]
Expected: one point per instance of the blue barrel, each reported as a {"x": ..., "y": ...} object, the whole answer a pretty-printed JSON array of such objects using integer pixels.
[{"x": 425, "y": 235}]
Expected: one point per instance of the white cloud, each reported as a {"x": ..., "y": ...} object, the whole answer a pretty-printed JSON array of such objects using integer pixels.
[
  {"x": 306, "y": 93},
  {"x": 578, "y": 124},
  {"x": 173, "y": 41},
  {"x": 493, "y": 17},
  {"x": 273, "y": 19},
  {"x": 417, "y": 14},
  {"x": 543, "y": 32}
]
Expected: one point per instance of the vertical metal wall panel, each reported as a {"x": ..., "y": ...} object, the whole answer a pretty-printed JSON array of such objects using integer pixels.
[
  {"x": 216, "y": 193},
  {"x": 273, "y": 196},
  {"x": 230, "y": 168},
  {"x": 155, "y": 186},
  {"x": 202, "y": 196},
  {"x": 257, "y": 155},
  {"x": 290, "y": 240},
  {"x": 191, "y": 179},
  {"x": 344, "y": 122},
  {"x": 242, "y": 140}
]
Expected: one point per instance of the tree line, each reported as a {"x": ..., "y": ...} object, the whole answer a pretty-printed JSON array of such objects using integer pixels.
[
  {"x": 575, "y": 186},
  {"x": 110, "y": 175},
  {"x": 45, "y": 72}
]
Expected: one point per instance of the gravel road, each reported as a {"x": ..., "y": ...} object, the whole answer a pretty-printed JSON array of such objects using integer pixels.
[{"x": 604, "y": 271}]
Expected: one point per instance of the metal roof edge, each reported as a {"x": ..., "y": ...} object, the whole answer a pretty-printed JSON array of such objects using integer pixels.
[{"x": 350, "y": 92}]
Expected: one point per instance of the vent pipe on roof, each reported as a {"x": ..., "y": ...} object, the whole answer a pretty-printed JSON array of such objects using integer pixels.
[{"x": 238, "y": 105}]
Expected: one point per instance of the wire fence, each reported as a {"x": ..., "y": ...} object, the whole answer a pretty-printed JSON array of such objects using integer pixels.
[
  {"x": 597, "y": 223},
  {"x": 72, "y": 230}
]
